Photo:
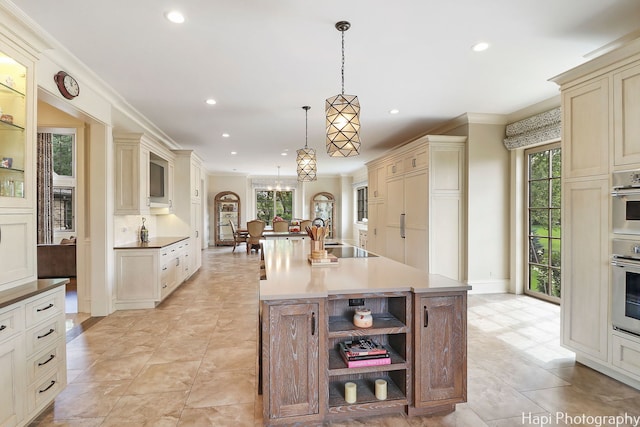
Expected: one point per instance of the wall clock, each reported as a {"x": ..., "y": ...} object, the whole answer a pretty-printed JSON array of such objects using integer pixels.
[{"x": 67, "y": 85}]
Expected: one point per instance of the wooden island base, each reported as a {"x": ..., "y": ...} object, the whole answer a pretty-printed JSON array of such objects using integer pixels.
[{"x": 422, "y": 326}]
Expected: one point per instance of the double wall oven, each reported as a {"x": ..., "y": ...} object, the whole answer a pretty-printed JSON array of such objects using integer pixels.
[{"x": 625, "y": 260}]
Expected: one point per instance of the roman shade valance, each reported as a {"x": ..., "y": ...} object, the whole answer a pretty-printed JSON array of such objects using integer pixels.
[{"x": 542, "y": 127}]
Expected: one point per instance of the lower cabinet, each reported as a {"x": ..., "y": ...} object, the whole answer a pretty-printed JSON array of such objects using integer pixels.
[
  {"x": 292, "y": 375},
  {"x": 304, "y": 375},
  {"x": 145, "y": 277},
  {"x": 32, "y": 356},
  {"x": 440, "y": 350}
]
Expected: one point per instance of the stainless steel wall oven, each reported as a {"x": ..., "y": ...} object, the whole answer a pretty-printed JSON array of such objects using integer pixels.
[
  {"x": 625, "y": 204},
  {"x": 625, "y": 307}
]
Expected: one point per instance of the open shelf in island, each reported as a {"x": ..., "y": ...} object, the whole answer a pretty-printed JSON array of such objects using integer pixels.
[
  {"x": 366, "y": 398},
  {"x": 337, "y": 366}
]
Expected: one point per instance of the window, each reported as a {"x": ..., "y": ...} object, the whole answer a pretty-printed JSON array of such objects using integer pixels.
[
  {"x": 362, "y": 194},
  {"x": 543, "y": 207},
  {"x": 63, "y": 158},
  {"x": 63, "y": 147},
  {"x": 63, "y": 209},
  {"x": 270, "y": 203}
]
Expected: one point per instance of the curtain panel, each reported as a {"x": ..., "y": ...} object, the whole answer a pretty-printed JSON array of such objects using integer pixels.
[{"x": 45, "y": 188}]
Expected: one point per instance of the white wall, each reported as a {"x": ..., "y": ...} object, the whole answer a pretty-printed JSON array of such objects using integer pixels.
[{"x": 488, "y": 222}]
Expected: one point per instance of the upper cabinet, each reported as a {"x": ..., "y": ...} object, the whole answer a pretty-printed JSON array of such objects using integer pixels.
[
  {"x": 144, "y": 175},
  {"x": 17, "y": 167},
  {"x": 626, "y": 110},
  {"x": 17, "y": 143},
  {"x": 586, "y": 129}
]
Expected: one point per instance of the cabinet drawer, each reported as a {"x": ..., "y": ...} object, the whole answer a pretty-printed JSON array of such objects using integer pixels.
[
  {"x": 46, "y": 361},
  {"x": 416, "y": 160},
  {"x": 45, "y": 335},
  {"x": 43, "y": 392},
  {"x": 395, "y": 168},
  {"x": 44, "y": 307},
  {"x": 626, "y": 354},
  {"x": 11, "y": 323}
]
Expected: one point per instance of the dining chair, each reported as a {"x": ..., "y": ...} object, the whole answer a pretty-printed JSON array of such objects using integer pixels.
[
  {"x": 238, "y": 236},
  {"x": 255, "y": 229},
  {"x": 304, "y": 224},
  {"x": 280, "y": 226}
]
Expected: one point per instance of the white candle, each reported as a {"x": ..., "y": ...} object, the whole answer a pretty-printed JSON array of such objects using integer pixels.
[
  {"x": 381, "y": 389},
  {"x": 350, "y": 392}
]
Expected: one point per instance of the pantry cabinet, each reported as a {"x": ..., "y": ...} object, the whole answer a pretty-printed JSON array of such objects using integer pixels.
[
  {"x": 600, "y": 136},
  {"x": 421, "y": 206}
]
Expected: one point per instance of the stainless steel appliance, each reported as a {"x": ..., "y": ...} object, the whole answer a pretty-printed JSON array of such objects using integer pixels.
[
  {"x": 625, "y": 306},
  {"x": 625, "y": 206}
]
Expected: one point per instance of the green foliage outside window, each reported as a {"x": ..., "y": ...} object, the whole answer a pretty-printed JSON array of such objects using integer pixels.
[
  {"x": 271, "y": 203},
  {"x": 62, "y": 145}
]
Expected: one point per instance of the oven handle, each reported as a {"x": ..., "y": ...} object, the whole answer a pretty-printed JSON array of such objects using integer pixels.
[
  {"x": 624, "y": 264},
  {"x": 626, "y": 192}
]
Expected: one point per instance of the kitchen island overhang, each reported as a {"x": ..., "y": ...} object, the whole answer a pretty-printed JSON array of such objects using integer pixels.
[{"x": 307, "y": 311}]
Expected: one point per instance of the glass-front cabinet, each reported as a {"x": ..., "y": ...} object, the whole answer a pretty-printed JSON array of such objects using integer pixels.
[
  {"x": 323, "y": 207},
  {"x": 13, "y": 125},
  {"x": 227, "y": 205}
]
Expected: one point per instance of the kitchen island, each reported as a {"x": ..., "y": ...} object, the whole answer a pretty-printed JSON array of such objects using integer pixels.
[{"x": 306, "y": 311}]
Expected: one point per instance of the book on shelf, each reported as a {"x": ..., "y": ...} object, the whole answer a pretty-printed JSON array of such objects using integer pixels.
[
  {"x": 375, "y": 361},
  {"x": 361, "y": 347}
]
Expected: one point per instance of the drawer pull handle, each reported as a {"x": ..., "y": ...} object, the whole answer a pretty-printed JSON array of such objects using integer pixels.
[
  {"x": 45, "y": 308},
  {"x": 48, "y": 387},
  {"x": 426, "y": 317},
  {"x": 47, "y": 334},
  {"x": 313, "y": 323},
  {"x": 53, "y": 356},
  {"x": 3, "y": 327}
]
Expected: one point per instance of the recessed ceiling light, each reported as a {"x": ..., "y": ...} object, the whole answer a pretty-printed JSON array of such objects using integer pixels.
[
  {"x": 211, "y": 101},
  {"x": 233, "y": 153},
  {"x": 479, "y": 47},
  {"x": 394, "y": 111},
  {"x": 175, "y": 17},
  {"x": 283, "y": 154},
  {"x": 225, "y": 135}
]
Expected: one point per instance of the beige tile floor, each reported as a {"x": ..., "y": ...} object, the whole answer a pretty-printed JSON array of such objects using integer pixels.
[{"x": 192, "y": 362}]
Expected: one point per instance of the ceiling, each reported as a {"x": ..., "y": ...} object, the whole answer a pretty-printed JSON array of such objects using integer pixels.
[{"x": 263, "y": 60}]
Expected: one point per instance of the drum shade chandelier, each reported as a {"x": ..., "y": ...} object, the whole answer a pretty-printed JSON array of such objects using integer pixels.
[
  {"x": 343, "y": 116},
  {"x": 306, "y": 158}
]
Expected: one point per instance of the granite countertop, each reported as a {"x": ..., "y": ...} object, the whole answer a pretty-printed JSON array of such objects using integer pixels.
[
  {"x": 289, "y": 275},
  {"x": 155, "y": 243},
  {"x": 22, "y": 292}
]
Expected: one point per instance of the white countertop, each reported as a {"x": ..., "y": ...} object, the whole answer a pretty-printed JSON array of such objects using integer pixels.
[{"x": 289, "y": 275}]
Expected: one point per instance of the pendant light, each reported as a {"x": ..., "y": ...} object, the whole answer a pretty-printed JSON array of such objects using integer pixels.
[
  {"x": 306, "y": 159},
  {"x": 343, "y": 116}
]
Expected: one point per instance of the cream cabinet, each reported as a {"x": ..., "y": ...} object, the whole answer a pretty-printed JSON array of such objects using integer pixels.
[
  {"x": 146, "y": 276},
  {"x": 12, "y": 367},
  {"x": 17, "y": 165},
  {"x": 626, "y": 110},
  {"x": 188, "y": 203},
  {"x": 143, "y": 175},
  {"x": 422, "y": 210},
  {"x": 585, "y": 150},
  {"x": 32, "y": 354},
  {"x": 600, "y": 135},
  {"x": 17, "y": 249}
]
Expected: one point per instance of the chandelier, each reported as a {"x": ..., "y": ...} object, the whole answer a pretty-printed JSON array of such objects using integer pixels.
[
  {"x": 343, "y": 116},
  {"x": 306, "y": 158}
]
